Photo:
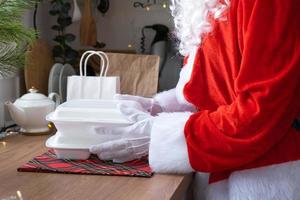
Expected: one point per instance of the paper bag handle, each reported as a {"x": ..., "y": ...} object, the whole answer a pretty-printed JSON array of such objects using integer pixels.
[
  {"x": 103, "y": 67},
  {"x": 81, "y": 61},
  {"x": 104, "y": 62}
]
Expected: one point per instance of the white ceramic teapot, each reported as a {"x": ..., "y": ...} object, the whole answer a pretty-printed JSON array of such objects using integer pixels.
[{"x": 30, "y": 111}]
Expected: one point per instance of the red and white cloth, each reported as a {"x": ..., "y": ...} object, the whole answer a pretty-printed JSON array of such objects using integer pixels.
[
  {"x": 49, "y": 163},
  {"x": 244, "y": 82}
]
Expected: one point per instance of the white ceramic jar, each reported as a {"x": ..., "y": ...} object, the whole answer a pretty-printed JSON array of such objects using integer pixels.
[{"x": 30, "y": 111}]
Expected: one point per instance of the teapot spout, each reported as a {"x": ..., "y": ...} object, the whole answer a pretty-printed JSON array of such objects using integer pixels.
[{"x": 16, "y": 113}]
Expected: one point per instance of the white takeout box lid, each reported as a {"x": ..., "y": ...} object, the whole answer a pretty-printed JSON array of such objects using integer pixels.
[{"x": 91, "y": 111}]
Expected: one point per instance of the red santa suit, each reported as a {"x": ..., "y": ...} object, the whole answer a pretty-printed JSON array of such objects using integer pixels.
[{"x": 243, "y": 88}]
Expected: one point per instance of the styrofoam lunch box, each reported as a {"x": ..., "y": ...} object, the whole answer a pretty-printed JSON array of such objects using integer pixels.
[
  {"x": 79, "y": 124},
  {"x": 68, "y": 151}
]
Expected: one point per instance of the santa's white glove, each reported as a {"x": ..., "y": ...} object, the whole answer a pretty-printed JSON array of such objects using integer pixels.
[
  {"x": 134, "y": 139},
  {"x": 149, "y": 104}
]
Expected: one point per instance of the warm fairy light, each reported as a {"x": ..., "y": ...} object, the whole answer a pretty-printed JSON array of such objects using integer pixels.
[
  {"x": 19, "y": 195},
  {"x": 148, "y": 8},
  {"x": 129, "y": 45},
  {"x": 3, "y": 143},
  {"x": 164, "y": 5}
]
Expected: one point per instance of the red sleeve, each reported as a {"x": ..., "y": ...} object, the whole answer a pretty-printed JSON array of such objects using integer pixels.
[{"x": 267, "y": 89}]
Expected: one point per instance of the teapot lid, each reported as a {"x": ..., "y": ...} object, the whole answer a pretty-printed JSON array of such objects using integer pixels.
[{"x": 33, "y": 95}]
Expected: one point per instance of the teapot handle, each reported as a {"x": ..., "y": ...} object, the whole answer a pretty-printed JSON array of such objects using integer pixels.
[{"x": 55, "y": 96}]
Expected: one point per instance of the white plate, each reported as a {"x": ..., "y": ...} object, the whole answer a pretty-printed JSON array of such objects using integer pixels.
[
  {"x": 53, "y": 82},
  {"x": 67, "y": 70}
]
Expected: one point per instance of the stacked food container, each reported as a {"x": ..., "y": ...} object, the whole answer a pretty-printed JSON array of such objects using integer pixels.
[{"x": 80, "y": 123}]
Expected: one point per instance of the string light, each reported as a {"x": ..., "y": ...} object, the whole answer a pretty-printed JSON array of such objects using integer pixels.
[
  {"x": 148, "y": 4},
  {"x": 3, "y": 143},
  {"x": 49, "y": 125},
  {"x": 19, "y": 195},
  {"x": 164, "y": 5}
]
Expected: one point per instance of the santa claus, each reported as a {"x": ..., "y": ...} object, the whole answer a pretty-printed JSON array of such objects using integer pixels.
[{"x": 235, "y": 111}]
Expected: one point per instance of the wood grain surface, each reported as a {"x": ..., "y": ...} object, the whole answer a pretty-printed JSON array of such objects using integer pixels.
[
  {"x": 88, "y": 29},
  {"x": 39, "y": 61},
  {"x": 16, "y": 150}
]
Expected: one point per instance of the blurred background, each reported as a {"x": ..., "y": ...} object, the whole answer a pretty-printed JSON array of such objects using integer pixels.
[{"x": 61, "y": 30}]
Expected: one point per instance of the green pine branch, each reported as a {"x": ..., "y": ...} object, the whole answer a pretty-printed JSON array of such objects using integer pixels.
[
  {"x": 11, "y": 27},
  {"x": 14, "y": 37},
  {"x": 16, "y": 32},
  {"x": 11, "y": 57}
]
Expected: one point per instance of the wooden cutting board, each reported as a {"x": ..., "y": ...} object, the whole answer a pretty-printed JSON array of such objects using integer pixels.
[
  {"x": 39, "y": 61},
  {"x": 88, "y": 30}
]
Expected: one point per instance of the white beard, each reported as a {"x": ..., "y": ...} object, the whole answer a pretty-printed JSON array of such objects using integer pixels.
[{"x": 191, "y": 20}]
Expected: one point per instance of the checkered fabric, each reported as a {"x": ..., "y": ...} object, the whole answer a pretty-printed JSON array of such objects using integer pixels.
[{"x": 49, "y": 163}]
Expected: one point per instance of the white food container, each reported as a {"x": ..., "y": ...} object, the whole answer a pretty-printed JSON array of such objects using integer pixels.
[
  {"x": 68, "y": 151},
  {"x": 79, "y": 124}
]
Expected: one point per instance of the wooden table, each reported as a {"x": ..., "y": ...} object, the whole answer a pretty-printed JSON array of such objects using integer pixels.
[{"x": 16, "y": 150}]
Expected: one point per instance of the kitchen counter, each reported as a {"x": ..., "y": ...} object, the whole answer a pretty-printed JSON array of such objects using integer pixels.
[{"x": 17, "y": 150}]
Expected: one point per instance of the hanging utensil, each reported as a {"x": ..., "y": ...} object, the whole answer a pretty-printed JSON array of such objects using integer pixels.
[
  {"x": 88, "y": 30},
  {"x": 76, "y": 12},
  {"x": 103, "y": 6}
]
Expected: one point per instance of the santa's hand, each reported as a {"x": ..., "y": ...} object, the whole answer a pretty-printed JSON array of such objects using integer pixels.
[
  {"x": 134, "y": 140},
  {"x": 149, "y": 104}
]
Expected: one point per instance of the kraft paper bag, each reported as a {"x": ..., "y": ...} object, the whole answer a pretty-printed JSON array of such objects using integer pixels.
[
  {"x": 138, "y": 73},
  {"x": 93, "y": 87}
]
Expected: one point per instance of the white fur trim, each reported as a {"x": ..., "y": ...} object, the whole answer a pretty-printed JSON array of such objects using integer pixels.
[
  {"x": 218, "y": 191},
  {"x": 169, "y": 103},
  {"x": 275, "y": 182},
  {"x": 185, "y": 76},
  {"x": 200, "y": 185},
  {"x": 168, "y": 148},
  {"x": 173, "y": 100}
]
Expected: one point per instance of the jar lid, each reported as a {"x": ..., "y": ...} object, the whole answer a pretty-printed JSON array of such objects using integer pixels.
[
  {"x": 33, "y": 95},
  {"x": 33, "y": 99}
]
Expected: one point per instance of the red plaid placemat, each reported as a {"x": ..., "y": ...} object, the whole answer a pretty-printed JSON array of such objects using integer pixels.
[{"x": 49, "y": 163}]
